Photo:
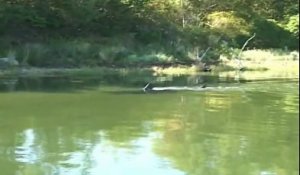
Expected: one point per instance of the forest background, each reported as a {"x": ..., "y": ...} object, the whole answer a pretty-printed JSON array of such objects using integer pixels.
[{"x": 127, "y": 33}]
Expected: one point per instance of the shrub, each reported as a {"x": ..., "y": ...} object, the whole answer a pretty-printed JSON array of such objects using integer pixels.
[
  {"x": 293, "y": 25},
  {"x": 228, "y": 24}
]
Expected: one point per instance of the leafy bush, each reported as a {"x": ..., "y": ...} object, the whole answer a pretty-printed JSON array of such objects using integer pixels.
[
  {"x": 270, "y": 34},
  {"x": 293, "y": 25},
  {"x": 228, "y": 24}
]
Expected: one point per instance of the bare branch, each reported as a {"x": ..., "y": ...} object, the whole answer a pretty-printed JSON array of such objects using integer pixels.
[
  {"x": 245, "y": 44},
  {"x": 203, "y": 55}
]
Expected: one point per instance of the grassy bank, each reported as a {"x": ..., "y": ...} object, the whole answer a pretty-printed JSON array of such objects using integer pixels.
[
  {"x": 269, "y": 61},
  {"x": 272, "y": 59}
]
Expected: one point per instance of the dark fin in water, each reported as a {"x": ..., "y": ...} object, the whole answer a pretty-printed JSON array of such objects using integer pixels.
[
  {"x": 147, "y": 87},
  {"x": 203, "y": 86},
  {"x": 242, "y": 69}
]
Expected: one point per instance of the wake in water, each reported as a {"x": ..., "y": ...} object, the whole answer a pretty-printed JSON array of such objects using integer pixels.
[{"x": 204, "y": 87}]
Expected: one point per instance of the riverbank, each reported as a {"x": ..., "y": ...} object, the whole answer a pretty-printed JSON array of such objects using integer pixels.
[
  {"x": 279, "y": 68},
  {"x": 271, "y": 61},
  {"x": 268, "y": 61}
]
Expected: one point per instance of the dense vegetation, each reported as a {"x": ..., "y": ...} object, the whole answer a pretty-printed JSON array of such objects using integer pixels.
[{"x": 76, "y": 33}]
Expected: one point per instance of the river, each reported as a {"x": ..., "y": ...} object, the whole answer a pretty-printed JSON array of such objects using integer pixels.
[{"x": 107, "y": 125}]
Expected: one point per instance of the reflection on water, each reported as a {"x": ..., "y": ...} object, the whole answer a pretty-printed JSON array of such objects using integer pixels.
[
  {"x": 107, "y": 129},
  {"x": 26, "y": 152},
  {"x": 101, "y": 156},
  {"x": 73, "y": 83}
]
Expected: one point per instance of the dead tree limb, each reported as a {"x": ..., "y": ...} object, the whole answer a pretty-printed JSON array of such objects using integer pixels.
[
  {"x": 203, "y": 55},
  {"x": 240, "y": 53}
]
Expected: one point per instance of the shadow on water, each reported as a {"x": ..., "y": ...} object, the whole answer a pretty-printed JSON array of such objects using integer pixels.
[
  {"x": 139, "y": 91},
  {"x": 133, "y": 84},
  {"x": 73, "y": 83}
]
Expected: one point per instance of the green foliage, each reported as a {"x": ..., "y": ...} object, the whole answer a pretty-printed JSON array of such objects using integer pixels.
[
  {"x": 82, "y": 52},
  {"x": 270, "y": 34},
  {"x": 47, "y": 33},
  {"x": 293, "y": 25},
  {"x": 227, "y": 51},
  {"x": 228, "y": 24}
]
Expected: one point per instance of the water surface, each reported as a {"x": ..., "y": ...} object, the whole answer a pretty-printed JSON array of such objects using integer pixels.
[{"x": 108, "y": 125}]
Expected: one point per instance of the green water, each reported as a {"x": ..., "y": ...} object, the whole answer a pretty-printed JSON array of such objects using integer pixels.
[{"x": 108, "y": 126}]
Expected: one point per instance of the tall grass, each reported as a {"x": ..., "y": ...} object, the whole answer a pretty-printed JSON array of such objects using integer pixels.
[
  {"x": 271, "y": 59},
  {"x": 270, "y": 54}
]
